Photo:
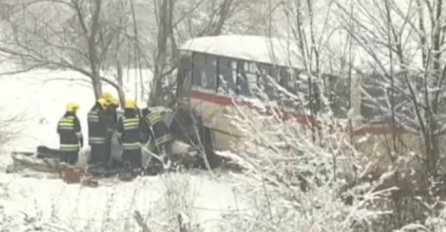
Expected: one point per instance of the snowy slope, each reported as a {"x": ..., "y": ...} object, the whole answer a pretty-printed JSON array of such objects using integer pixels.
[
  {"x": 50, "y": 205},
  {"x": 40, "y": 97}
]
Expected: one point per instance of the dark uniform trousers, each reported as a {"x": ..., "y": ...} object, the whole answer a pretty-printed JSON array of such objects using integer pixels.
[
  {"x": 70, "y": 138},
  {"x": 112, "y": 120},
  {"x": 69, "y": 157},
  {"x": 132, "y": 158},
  {"x": 99, "y": 154},
  {"x": 97, "y": 138},
  {"x": 130, "y": 140}
]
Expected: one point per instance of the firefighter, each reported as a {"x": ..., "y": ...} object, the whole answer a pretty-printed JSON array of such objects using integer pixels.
[
  {"x": 97, "y": 131},
  {"x": 112, "y": 118},
  {"x": 113, "y": 104},
  {"x": 112, "y": 111},
  {"x": 129, "y": 129},
  {"x": 158, "y": 129},
  {"x": 145, "y": 134},
  {"x": 70, "y": 133}
]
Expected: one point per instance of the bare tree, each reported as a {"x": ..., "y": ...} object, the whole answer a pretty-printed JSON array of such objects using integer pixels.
[
  {"x": 403, "y": 81},
  {"x": 406, "y": 54},
  {"x": 77, "y": 35},
  {"x": 308, "y": 26},
  {"x": 163, "y": 53},
  {"x": 179, "y": 21}
]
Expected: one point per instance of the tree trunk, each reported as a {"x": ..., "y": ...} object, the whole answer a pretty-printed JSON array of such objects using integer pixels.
[
  {"x": 92, "y": 52},
  {"x": 431, "y": 101},
  {"x": 164, "y": 28},
  {"x": 97, "y": 85},
  {"x": 120, "y": 83}
]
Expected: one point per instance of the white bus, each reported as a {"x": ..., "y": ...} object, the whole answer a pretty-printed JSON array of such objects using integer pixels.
[{"x": 215, "y": 71}]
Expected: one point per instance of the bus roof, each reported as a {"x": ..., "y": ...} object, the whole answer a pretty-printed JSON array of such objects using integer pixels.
[{"x": 246, "y": 47}]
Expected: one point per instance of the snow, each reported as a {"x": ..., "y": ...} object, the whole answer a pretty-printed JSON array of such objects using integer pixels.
[
  {"x": 75, "y": 207},
  {"x": 40, "y": 203},
  {"x": 40, "y": 98},
  {"x": 252, "y": 48}
]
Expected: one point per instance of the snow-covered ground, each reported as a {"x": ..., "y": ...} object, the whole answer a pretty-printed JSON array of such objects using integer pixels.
[{"x": 49, "y": 204}]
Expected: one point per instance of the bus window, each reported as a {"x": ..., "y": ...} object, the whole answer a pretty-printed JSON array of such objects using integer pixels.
[
  {"x": 299, "y": 90},
  {"x": 242, "y": 80},
  {"x": 374, "y": 102},
  {"x": 251, "y": 76},
  {"x": 310, "y": 89},
  {"x": 338, "y": 94},
  {"x": 198, "y": 63},
  {"x": 288, "y": 93},
  {"x": 209, "y": 79},
  {"x": 302, "y": 90},
  {"x": 286, "y": 80},
  {"x": 185, "y": 77},
  {"x": 264, "y": 69},
  {"x": 225, "y": 73},
  {"x": 269, "y": 84}
]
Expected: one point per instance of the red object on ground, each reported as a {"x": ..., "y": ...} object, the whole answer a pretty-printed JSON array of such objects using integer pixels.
[{"x": 71, "y": 175}]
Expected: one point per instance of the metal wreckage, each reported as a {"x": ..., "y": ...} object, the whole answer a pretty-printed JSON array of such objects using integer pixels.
[{"x": 188, "y": 149}]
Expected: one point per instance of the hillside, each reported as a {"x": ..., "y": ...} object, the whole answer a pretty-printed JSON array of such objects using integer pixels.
[{"x": 44, "y": 202}]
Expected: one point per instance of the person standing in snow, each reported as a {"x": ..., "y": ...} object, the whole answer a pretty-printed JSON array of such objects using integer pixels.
[
  {"x": 112, "y": 112},
  {"x": 155, "y": 124},
  {"x": 97, "y": 131},
  {"x": 112, "y": 118},
  {"x": 129, "y": 129},
  {"x": 113, "y": 104},
  {"x": 145, "y": 134},
  {"x": 70, "y": 134}
]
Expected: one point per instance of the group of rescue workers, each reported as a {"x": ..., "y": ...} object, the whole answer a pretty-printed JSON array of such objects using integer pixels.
[{"x": 134, "y": 129}]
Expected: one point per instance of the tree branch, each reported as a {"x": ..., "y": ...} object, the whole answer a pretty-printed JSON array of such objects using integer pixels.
[{"x": 139, "y": 219}]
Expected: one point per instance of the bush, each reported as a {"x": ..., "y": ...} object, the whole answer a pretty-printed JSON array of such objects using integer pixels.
[{"x": 306, "y": 178}]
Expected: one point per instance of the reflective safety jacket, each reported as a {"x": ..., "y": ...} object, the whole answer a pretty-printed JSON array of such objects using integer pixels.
[
  {"x": 158, "y": 128},
  {"x": 97, "y": 125},
  {"x": 129, "y": 128},
  {"x": 112, "y": 117},
  {"x": 69, "y": 130}
]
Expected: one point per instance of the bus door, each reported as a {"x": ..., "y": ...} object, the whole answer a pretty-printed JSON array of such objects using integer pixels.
[
  {"x": 204, "y": 88},
  {"x": 184, "y": 79}
]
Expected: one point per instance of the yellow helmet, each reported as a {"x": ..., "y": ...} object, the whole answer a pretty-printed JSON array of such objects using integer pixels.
[
  {"x": 114, "y": 102},
  {"x": 130, "y": 104},
  {"x": 107, "y": 96},
  {"x": 103, "y": 102},
  {"x": 72, "y": 107},
  {"x": 111, "y": 100}
]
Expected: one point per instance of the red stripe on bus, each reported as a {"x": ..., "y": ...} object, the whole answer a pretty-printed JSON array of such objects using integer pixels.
[
  {"x": 268, "y": 110},
  {"x": 220, "y": 100},
  {"x": 287, "y": 115}
]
